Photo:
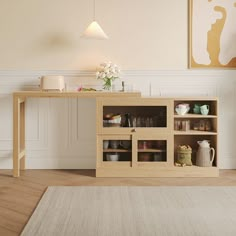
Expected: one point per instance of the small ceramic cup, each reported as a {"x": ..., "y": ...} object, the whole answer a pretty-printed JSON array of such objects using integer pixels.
[
  {"x": 105, "y": 144},
  {"x": 114, "y": 144},
  {"x": 125, "y": 144},
  {"x": 197, "y": 109}
]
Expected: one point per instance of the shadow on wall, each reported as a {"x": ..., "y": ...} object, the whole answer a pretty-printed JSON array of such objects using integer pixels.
[{"x": 56, "y": 41}]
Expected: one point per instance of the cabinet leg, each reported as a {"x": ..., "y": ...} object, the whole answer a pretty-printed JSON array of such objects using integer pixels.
[
  {"x": 22, "y": 163},
  {"x": 16, "y": 169}
]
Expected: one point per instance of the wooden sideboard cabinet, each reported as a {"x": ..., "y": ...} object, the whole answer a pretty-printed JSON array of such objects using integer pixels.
[{"x": 148, "y": 148}]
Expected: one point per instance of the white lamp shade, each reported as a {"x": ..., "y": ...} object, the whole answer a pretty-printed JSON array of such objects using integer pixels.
[{"x": 94, "y": 31}]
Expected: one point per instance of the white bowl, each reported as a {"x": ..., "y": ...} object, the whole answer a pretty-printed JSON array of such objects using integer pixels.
[
  {"x": 182, "y": 110},
  {"x": 112, "y": 157}
]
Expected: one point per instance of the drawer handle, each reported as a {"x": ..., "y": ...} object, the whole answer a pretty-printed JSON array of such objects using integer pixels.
[{"x": 133, "y": 130}]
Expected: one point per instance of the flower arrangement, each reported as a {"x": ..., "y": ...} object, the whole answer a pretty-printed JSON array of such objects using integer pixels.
[{"x": 108, "y": 72}]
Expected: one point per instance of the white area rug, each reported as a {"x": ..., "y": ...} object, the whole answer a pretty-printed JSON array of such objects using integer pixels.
[{"x": 133, "y": 211}]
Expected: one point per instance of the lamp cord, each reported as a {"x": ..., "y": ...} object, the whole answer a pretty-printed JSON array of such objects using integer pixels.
[{"x": 93, "y": 10}]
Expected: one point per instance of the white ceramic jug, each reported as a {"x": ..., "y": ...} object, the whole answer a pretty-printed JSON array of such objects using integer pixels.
[
  {"x": 205, "y": 154},
  {"x": 204, "y": 143}
]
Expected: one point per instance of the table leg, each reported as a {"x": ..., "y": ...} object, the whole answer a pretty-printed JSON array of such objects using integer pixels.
[
  {"x": 18, "y": 135},
  {"x": 16, "y": 118}
]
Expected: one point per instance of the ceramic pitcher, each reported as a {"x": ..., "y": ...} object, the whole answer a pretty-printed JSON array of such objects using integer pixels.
[
  {"x": 204, "y": 109},
  {"x": 205, "y": 154}
]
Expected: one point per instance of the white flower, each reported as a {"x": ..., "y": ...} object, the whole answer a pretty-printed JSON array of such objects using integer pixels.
[
  {"x": 103, "y": 75},
  {"x": 107, "y": 67},
  {"x": 108, "y": 72},
  {"x": 110, "y": 75},
  {"x": 97, "y": 74}
]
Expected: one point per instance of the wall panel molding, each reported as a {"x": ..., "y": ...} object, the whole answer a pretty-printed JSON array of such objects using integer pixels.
[{"x": 34, "y": 74}]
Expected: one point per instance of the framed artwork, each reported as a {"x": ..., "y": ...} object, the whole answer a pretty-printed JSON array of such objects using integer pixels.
[{"x": 212, "y": 34}]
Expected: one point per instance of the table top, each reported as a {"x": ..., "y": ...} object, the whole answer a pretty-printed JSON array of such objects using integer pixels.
[{"x": 86, "y": 94}]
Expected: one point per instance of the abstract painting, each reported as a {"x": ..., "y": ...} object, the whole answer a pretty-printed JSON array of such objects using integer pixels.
[{"x": 212, "y": 34}]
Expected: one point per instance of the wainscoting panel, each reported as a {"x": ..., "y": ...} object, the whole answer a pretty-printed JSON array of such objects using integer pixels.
[{"x": 61, "y": 133}]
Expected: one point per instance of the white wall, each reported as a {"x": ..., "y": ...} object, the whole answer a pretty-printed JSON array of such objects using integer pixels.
[
  {"x": 148, "y": 39},
  {"x": 44, "y": 34}
]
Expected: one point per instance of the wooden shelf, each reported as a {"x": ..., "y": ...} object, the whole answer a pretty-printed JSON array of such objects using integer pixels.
[
  {"x": 116, "y": 150},
  {"x": 194, "y": 132},
  {"x": 151, "y": 150},
  {"x": 194, "y": 167},
  {"x": 189, "y": 115}
]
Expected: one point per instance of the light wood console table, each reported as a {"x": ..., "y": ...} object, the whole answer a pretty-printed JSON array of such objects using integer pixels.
[{"x": 19, "y": 100}]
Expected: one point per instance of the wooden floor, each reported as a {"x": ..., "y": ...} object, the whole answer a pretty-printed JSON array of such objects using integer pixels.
[{"x": 19, "y": 196}]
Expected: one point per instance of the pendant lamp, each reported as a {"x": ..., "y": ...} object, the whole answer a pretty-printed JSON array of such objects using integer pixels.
[{"x": 94, "y": 30}]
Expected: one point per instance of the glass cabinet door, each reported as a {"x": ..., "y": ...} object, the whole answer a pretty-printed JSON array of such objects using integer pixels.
[
  {"x": 152, "y": 150},
  {"x": 114, "y": 150},
  {"x": 128, "y": 115}
]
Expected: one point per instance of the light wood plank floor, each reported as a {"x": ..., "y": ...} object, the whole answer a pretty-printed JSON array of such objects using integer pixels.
[{"x": 19, "y": 196}]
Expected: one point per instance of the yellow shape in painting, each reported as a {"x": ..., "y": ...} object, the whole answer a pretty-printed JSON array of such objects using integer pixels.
[{"x": 213, "y": 42}]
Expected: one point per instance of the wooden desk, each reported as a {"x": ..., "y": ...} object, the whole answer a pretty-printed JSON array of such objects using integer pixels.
[{"x": 19, "y": 100}]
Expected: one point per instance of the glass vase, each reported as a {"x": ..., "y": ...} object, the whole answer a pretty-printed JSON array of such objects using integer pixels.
[{"x": 107, "y": 86}]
